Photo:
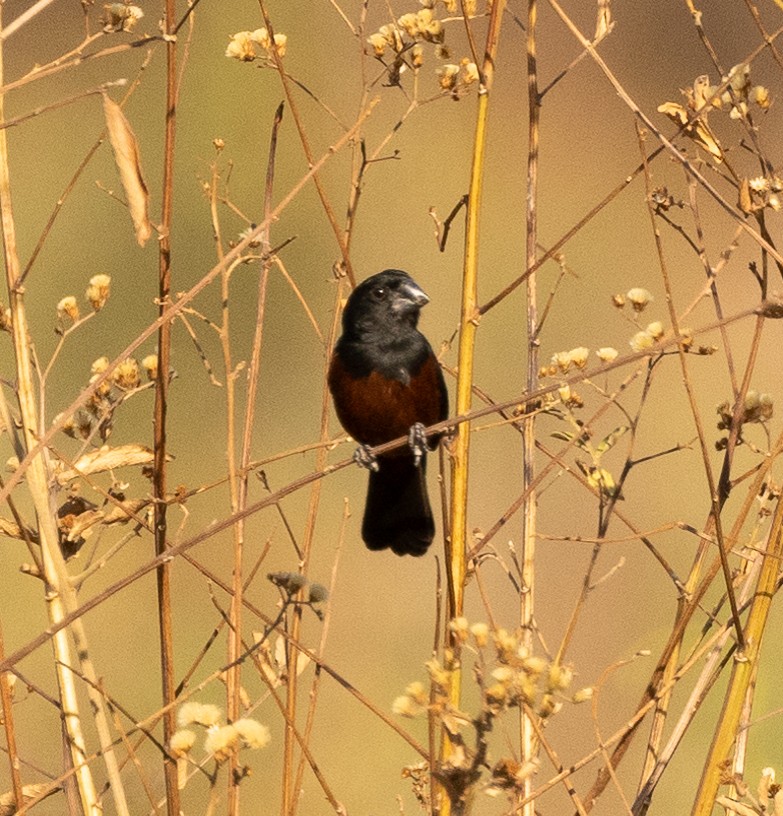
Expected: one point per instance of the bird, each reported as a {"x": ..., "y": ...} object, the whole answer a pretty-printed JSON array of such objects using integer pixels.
[{"x": 386, "y": 382}]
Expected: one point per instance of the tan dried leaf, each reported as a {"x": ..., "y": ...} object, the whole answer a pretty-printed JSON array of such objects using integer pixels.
[
  {"x": 7, "y": 802},
  {"x": 123, "y": 514},
  {"x": 733, "y": 806},
  {"x": 699, "y": 131},
  {"x": 105, "y": 459},
  {"x": 745, "y": 200},
  {"x": 82, "y": 524},
  {"x": 10, "y": 529},
  {"x": 126, "y": 156}
]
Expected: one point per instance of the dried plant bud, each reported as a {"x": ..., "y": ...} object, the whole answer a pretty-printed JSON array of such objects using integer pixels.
[
  {"x": 470, "y": 72},
  {"x": 240, "y": 47},
  {"x": 150, "y": 365},
  {"x": 639, "y": 298},
  {"x": 68, "y": 308},
  {"x": 417, "y": 56},
  {"x": 378, "y": 43},
  {"x": 447, "y": 76},
  {"x": 317, "y": 593},
  {"x": 480, "y": 632},
  {"x": 583, "y": 695},
  {"x": 618, "y": 301},
  {"x": 408, "y": 705},
  {"x": 761, "y": 96},
  {"x": 222, "y": 742},
  {"x": 98, "y": 291},
  {"x": 252, "y": 733},
  {"x": 126, "y": 375},
  {"x": 607, "y": 354},
  {"x": 181, "y": 742},
  {"x": 439, "y": 675},
  {"x": 120, "y": 17},
  {"x": 280, "y": 43},
  {"x": 655, "y": 329},
  {"x": 194, "y": 713},
  {"x": 578, "y": 356},
  {"x": 642, "y": 341},
  {"x": 290, "y": 582},
  {"x": 459, "y": 629}
]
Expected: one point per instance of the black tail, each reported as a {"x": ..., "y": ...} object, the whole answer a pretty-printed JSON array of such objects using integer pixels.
[{"x": 397, "y": 513}]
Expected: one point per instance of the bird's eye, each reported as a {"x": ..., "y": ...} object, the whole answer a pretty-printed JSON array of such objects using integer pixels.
[{"x": 379, "y": 293}]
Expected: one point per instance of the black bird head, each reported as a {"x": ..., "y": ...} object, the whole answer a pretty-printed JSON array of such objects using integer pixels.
[{"x": 389, "y": 301}]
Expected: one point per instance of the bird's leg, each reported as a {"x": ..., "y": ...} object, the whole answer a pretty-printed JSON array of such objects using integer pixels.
[
  {"x": 364, "y": 458},
  {"x": 417, "y": 441}
]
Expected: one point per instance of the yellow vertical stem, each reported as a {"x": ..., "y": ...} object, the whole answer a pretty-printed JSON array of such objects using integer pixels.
[
  {"x": 456, "y": 545},
  {"x": 745, "y": 662}
]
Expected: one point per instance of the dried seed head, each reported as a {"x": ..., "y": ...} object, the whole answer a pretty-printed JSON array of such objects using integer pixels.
[
  {"x": 607, "y": 354},
  {"x": 68, "y": 308},
  {"x": 252, "y": 733},
  {"x": 240, "y": 47},
  {"x": 126, "y": 375},
  {"x": 196, "y": 713},
  {"x": 480, "y": 632},
  {"x": 98, "y": 291},
  {"x": 221, "y": 742},
  {"x": 642, "y": 341},
  {"x": 150, "y": 365},
  {"x": 639, "y": 298},
  {"x": 181, "y": 742}
]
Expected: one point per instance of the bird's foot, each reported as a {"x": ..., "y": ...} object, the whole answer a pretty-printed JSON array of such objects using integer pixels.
[
  {"x": 417, "y": 441},
  {"x": 365, "y": 459}
]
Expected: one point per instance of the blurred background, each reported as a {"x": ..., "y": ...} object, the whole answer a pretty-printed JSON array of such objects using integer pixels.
[{"x": 382, "y": 610}]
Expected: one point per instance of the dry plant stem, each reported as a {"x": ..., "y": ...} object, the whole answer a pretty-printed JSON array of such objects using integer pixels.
[
  {"x": 239, "y": 493},
  {"x": 297, "y": 782},
  {"x": 745, "y": 665},
  {"x": 698, "y": 694},
  {"x": 10, "y": 733},
  {"x": 705, "y": 452},
  {"x": 330, "y": 215},
  {"x": 290, "y": 796},
  {"x": 529, "y": 742},
  {"x": 233, "y": 676},
  {"x": 163, "y": 573},
  {"x": 59, "y": 596},
  {"x": 456, "y": 544}
]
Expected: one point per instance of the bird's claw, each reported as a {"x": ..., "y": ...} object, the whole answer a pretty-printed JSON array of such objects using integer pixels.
[
  {"x": 417, "y": 441},
  {"x": 365, "y": 459}
]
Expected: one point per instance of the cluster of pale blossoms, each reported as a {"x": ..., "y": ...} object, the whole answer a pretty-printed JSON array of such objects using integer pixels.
[
  {"x": 102, "y": 403},
  {"x": 408, "y": 34},
  {"x": 737, "y": 94},
  {"x": 222, "y": 741},
  {"x": 120, "y": 17},
  {"x": 518, "y": 678},
  {"x": 243, "y": 44},
  {"x": 758, "y": 408},
  {"x": 96, "y": 295}
]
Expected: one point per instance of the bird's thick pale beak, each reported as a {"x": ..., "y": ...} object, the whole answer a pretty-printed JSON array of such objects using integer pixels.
[{"x": 409, "y": 294}]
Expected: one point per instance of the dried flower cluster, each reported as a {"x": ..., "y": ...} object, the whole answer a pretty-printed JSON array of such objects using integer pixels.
[
  {"x": 222, "y": 740},
  {"x": 98, "y": 414},
  {"x": 120, "y": 17},
  {"x": 508, "y": 676},
  {"x": 290, "y": 584},
  {"x": 243, "y": 45},
  {"x": 757, "y": 409},
  {"x": 403, "y": 42}
]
